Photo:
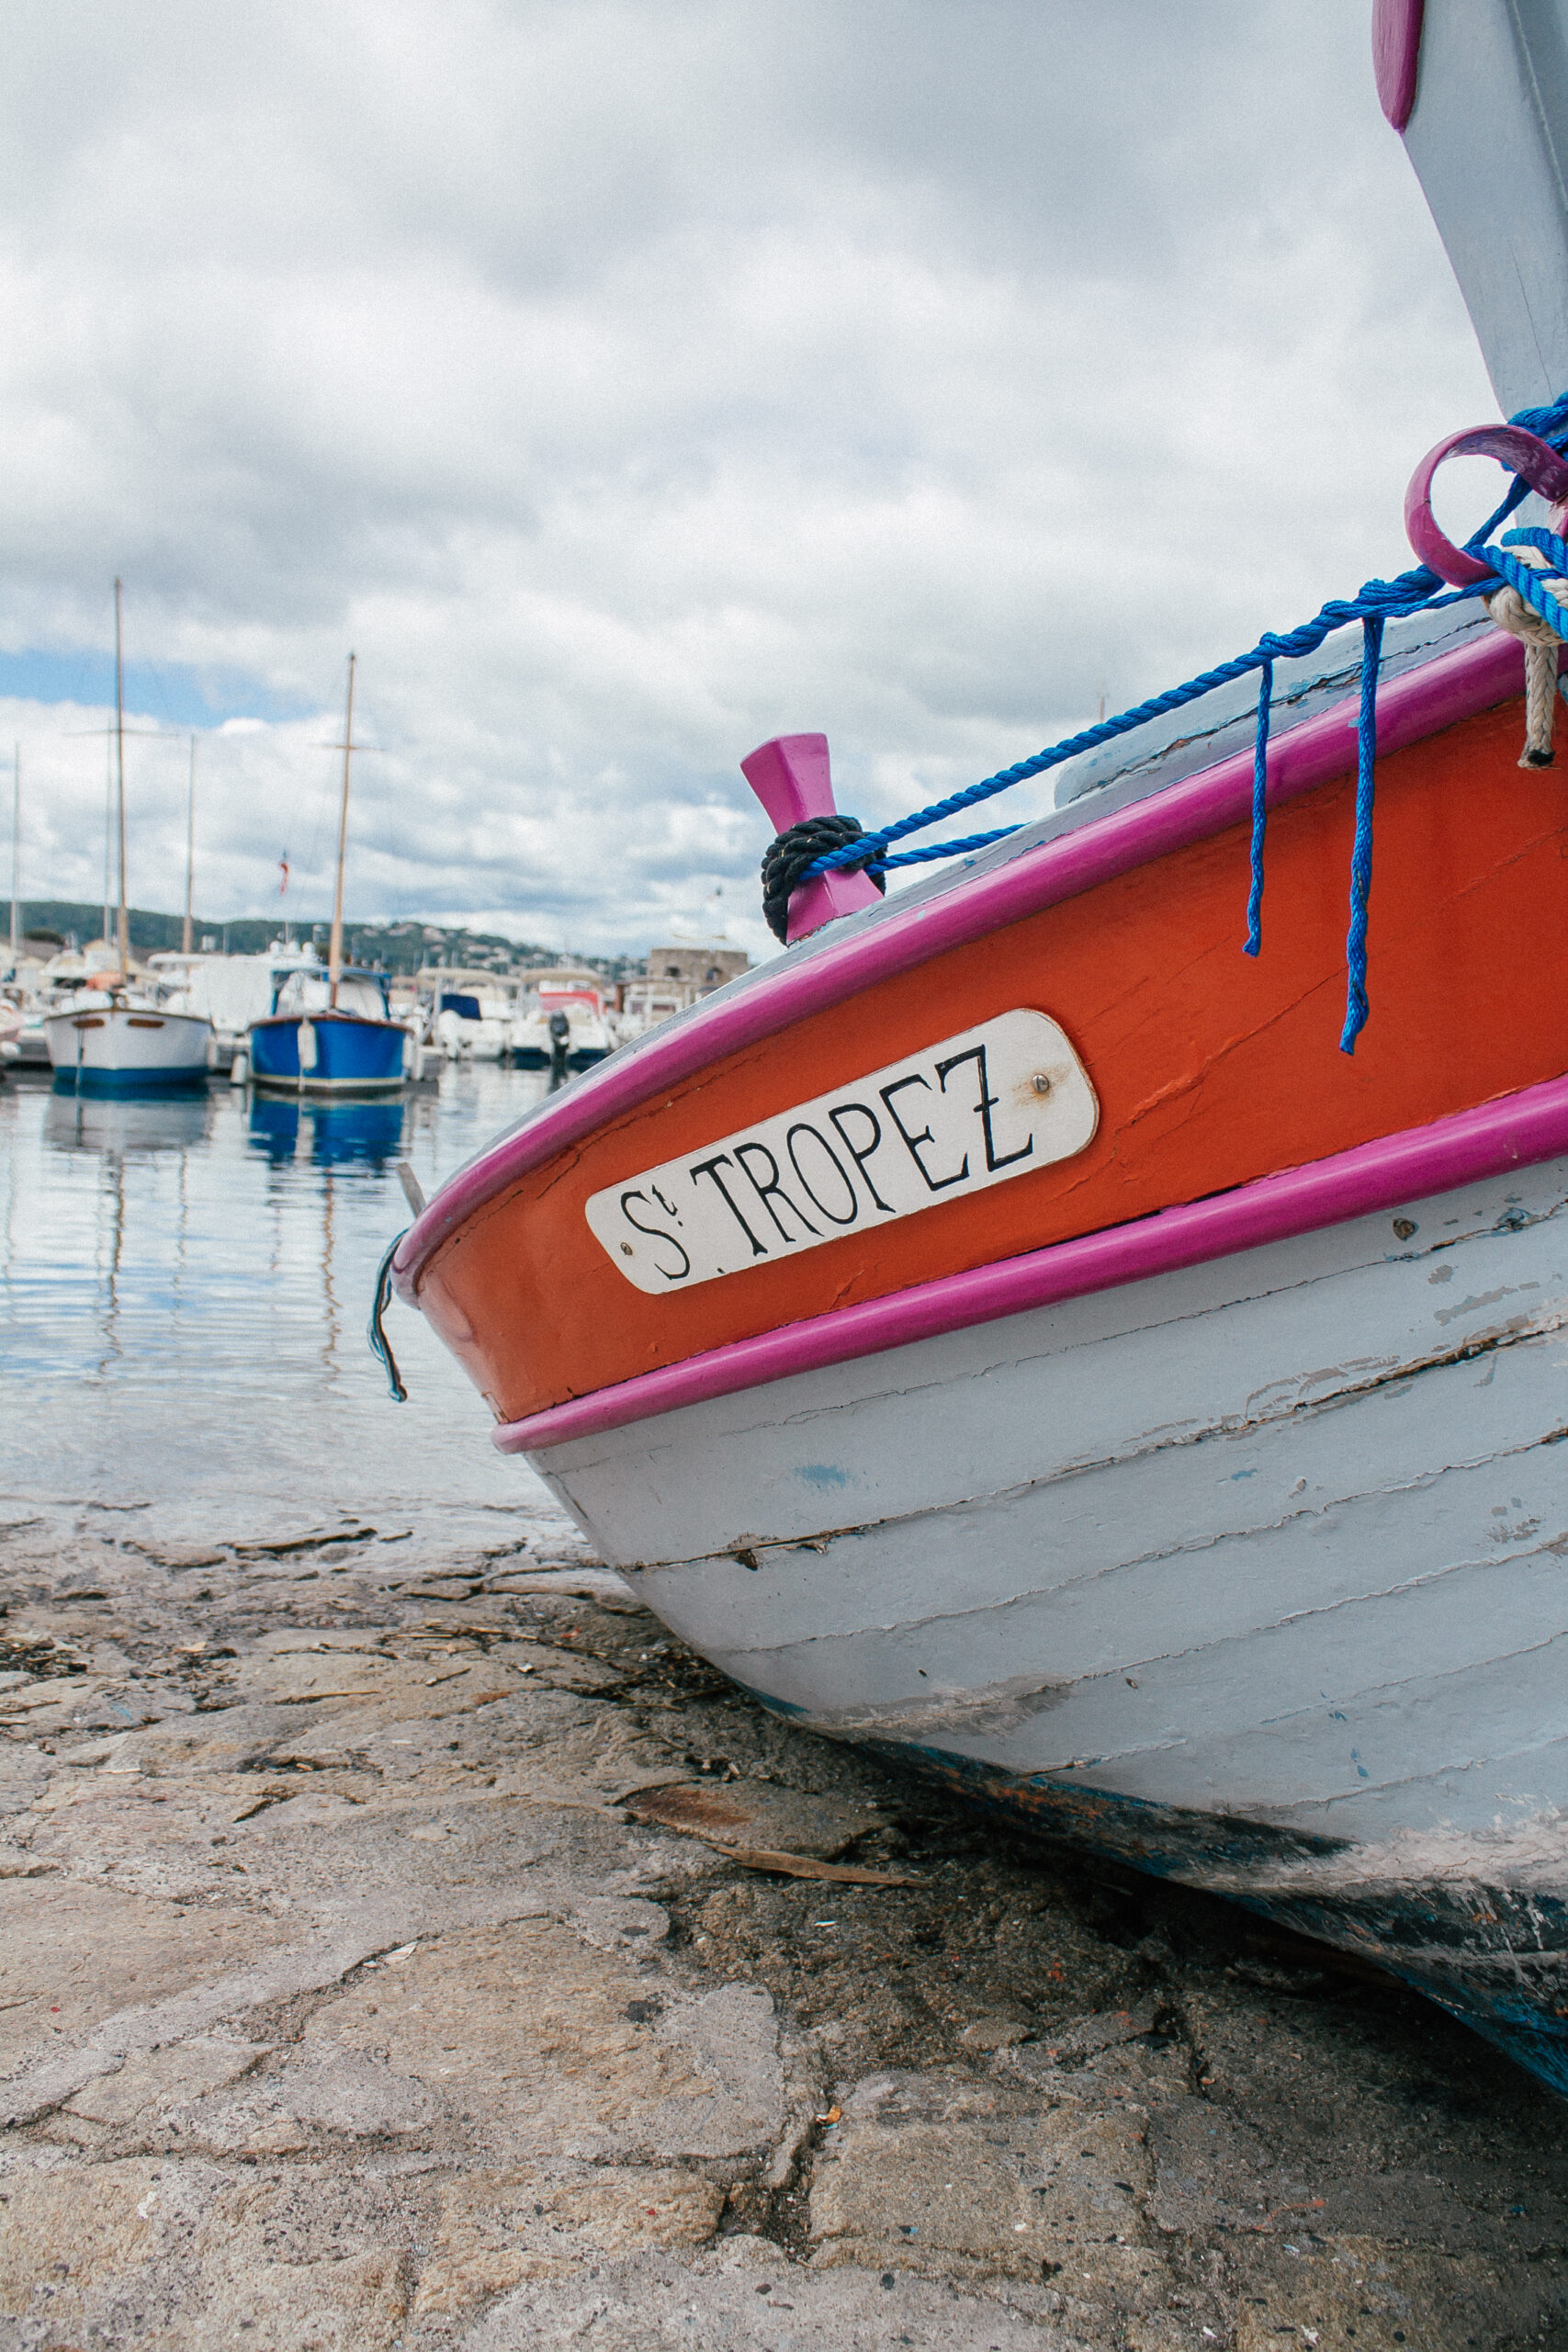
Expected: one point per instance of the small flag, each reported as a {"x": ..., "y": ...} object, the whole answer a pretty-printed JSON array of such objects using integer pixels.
[{"x": 283, "y": 869}]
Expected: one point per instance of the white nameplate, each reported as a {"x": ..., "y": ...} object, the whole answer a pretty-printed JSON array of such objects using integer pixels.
[{"x": 999, "y": 1101}]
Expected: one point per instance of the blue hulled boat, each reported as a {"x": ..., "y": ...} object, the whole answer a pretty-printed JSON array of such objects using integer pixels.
[
  {"x": 322, "y": 1039},
  {"x": 332, "y": 1032}
]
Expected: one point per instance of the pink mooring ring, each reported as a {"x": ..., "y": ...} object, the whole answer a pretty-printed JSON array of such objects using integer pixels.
[{"x": 1524, "y": 453}]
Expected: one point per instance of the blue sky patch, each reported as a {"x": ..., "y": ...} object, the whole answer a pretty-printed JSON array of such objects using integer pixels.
[{"x": 171, "y": 693}]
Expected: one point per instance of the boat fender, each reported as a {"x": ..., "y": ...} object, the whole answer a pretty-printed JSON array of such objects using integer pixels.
[
  {"x": 240, "y": 1068},
  {"x": 306, "y": 1046}
]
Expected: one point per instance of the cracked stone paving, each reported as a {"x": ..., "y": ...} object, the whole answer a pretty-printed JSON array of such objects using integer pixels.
[{"x": 413, "y": 1948}]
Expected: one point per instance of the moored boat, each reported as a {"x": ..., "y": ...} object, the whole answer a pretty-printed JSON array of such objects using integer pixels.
[
  {"x": 322, "y": 1039},
  {"x": 113, "y": 1034},
  {"x": 473, "y": 1015},
  {"x": 114, "y": 1040},
  {"x": 1122, "y": 1377},
  {"x": 566, "y": 994},
  {"x": 332, "y": 1032},
  {"x": 40, "y": 988}
]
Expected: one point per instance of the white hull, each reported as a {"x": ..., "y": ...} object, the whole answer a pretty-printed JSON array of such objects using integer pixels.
[
  {"x": 129, "y": 1043},
  {"x": 1270, "y": 1549}
]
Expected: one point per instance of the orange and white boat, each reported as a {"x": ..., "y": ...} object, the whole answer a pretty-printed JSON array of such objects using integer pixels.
[{"x": 1008, "y": 1330}]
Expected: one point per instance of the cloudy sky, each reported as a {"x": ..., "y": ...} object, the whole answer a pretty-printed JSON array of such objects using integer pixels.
[{"x": 627, "y": 383}]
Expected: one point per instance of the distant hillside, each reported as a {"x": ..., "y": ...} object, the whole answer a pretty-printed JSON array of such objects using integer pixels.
[{"x": 389, "y": 947}]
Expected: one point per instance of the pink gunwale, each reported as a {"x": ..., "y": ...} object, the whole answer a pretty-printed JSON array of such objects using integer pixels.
[
  {"x": 1397, "y": 56},
  {"x": 1452, "y": 686},
  {"x": 1463, "y": 1149}
]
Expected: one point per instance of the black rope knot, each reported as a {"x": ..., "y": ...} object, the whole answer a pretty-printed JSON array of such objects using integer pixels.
[{"x": 788, "y": 855}]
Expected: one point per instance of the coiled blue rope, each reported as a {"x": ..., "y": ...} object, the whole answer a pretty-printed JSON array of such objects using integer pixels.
[{"x": 1377, "y": 602}]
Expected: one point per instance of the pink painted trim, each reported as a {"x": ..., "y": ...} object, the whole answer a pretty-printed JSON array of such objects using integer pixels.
[
  {"x": 1451, "y": 687},
  {"x": 1396, "y": 54},
  {"x": 1465, "y": 1149},
  {"x": 792, "y": 778}
]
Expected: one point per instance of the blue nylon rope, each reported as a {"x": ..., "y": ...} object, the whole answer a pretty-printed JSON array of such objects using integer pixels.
[
  {"x": 1554, "y": 549},
  {"x": 940, "y": 849},
  {"x": 1392, "y": 600},
  {"x": 1413, "y": 592},
  {"x": 1259, "y": 810},
  {"x": 1356, "y": 1005},
  {"x": 1530, "y": 583}
]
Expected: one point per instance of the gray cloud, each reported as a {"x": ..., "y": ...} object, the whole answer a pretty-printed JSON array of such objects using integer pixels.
[{"x": 630, "y": 383}]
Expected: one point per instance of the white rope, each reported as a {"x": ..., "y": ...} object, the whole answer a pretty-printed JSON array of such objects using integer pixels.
[{"x": 1541, "y": 644}]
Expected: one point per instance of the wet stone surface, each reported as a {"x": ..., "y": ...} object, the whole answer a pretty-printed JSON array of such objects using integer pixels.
[{"x": 401, "y": 1950}]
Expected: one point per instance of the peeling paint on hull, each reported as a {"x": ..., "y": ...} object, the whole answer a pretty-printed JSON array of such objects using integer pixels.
[{"x": 1254, "y": 1574}]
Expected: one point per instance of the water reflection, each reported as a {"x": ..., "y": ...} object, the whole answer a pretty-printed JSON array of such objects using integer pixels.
[
  {"x": 184, "y": 1283},
  {"x": 334, "y": 1133},
  {"x": 126, "y": 1122}
]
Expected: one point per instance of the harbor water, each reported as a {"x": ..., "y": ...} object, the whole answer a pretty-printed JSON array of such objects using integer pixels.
[{"x": 184, "y": 1291}]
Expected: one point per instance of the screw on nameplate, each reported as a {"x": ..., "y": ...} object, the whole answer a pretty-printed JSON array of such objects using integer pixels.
[
  {"x": 791, "y": 777},
  {"x": 1040, "y": 1083}
]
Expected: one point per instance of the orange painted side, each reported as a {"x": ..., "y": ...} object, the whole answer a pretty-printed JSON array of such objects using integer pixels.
[{"x": 1212, "y": 1068}]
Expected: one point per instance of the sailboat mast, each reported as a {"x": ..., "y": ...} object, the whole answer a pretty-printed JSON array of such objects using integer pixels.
[
  {"x": 17, "y": 859},
  {"x": 334, "y": 952},
  {"x": 124, "y": 931},
  {"x": 108, "y": 830},
  {"x": 190, "y": 851}
]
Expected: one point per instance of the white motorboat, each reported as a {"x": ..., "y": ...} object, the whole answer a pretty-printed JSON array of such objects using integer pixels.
[
  {"x": 577, "y": 996},
  {"x": 474, "y": 1016},
  {"x": 109, "y": 1040}
]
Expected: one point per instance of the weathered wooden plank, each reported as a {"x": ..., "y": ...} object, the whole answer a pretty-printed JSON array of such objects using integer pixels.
[
  {"x": 1127, "y": 1618},
  {"x": 1467, "y": 1442}
]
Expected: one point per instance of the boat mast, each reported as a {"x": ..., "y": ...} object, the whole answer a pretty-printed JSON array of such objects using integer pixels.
[
  {"x": 108, "y": 830},
  {"x": 190, "y": 850},
  {"x": 124, "y": 931},
  {"x": 334, "y": 952},
  {"x": 16, "y": 859}
]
